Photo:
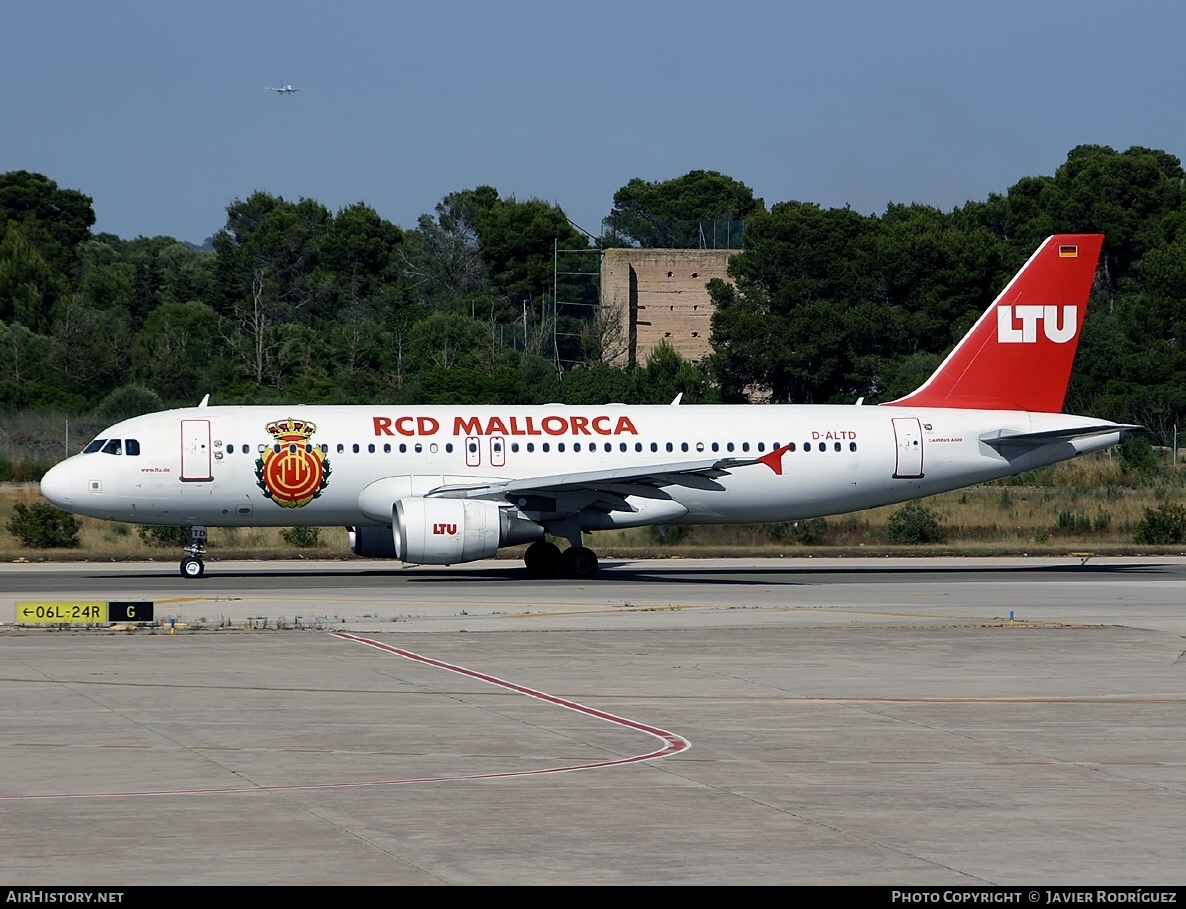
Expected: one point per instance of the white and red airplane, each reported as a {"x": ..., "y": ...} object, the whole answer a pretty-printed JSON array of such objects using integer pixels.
[{"x": 441, "y": 485}]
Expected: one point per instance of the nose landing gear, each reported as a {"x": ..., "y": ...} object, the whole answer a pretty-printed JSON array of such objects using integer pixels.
[{"x": 192, "y": 565}]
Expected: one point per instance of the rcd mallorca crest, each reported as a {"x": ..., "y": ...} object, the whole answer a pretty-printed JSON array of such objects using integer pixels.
[{"x": 292, "y": 472}]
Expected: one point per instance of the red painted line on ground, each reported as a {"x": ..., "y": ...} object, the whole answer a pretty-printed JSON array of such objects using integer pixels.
[{"x": 672, "y": 743}]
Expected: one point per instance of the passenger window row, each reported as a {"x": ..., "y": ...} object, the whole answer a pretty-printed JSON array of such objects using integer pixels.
[
  {"x": 132, "y": 447},
  {"x": 418, "y": 447},
  {"x": 699, "y": 447},
  {"x": 356, "y": 448}
]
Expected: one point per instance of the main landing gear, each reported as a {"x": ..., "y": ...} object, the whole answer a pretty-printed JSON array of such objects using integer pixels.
[
  {"x": 545, "y": 560},
  {"x": 192, "y": 565}
]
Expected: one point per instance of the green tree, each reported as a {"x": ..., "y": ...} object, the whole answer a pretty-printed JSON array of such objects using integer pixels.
[
  {"x": 541, "y": 383},
  {"x": 358, "y": 256},
  {"x": 666, "y": 214},
  {"x": 180, "y": 353},
  {"x": 444, "y": 341},
  {"x": 358, "y": 344},
  {"x": 443, "y": 265},
  {"x": 24, "y": 360},
  {"x": 29, "y": 286},
  {"x": 90, "y": 349},
  {"x": 303, "y": 353},
  {"x": 465, "y": 385},
  {"x": 269, "y": 239},
  {"x": 140, "y": 275},
  {"x": 666, "y": 375},
  {"x": 441, "y": 257},
  {"x": 518, "y": 241},
  {"x": 938, "y": 273},
  {"x": 830, "y": 305},
  {"x": 127, "y": 402},
  {"x": 805, "y": 304},
  {"x": 1124, "y": 195},
  {"x": 107, "y": 279},
  {"x": 596, "y": 385},
  {"x": 56, "y": 221}
]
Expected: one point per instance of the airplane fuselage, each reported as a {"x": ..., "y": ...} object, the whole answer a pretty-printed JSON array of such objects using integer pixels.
[{"x": 284, "y": 466}]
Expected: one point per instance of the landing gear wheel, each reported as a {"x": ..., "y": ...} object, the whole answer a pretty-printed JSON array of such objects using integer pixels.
[
  {"x": 542, "y": 560},
  {"x": 195, "y": 544},
  {"x": 580, "y": 562}
]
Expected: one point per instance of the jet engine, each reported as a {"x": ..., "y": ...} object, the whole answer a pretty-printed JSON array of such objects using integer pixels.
[
  {"x": 445, "y": 531},
  {"x": 372, "y": 542}
]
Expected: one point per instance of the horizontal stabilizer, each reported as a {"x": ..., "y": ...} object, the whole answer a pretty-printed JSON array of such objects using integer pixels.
[{"x": 1033, "y": 439}]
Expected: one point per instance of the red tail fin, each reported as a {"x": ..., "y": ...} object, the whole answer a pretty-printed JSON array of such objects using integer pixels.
[{"x": 1018, "y": 355}]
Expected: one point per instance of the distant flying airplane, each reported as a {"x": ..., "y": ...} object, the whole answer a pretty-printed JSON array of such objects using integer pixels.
[
  {"x": 284, "y": 90},
  {"x": 443, "y": 485}
]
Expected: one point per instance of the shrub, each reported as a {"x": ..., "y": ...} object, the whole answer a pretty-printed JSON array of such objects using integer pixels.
[
  {"x": 806, "y": 533},
  {"x": 42, "y": 526},
  {"x": 1138, "y": 456},
  {"x": 1070, "y": 522},
  {"x": 669, "y": 534},
  {"x": 913, "y": 524},
  {"x": 165, "y": 537},
  {"x": 1163, "y": 525},
  {"x": 302, "y": 537},
  {"x": 22, "y": 470}
]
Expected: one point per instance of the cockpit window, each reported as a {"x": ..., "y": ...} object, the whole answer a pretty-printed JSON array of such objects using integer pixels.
[
  {"x": 132, "y": 447},
  {"x": 113, "y": 446},
  {"x": 94, "y": 446}
]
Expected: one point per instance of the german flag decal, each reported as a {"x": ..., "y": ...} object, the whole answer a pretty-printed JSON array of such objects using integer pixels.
[{"x": 1068, "y": 252}]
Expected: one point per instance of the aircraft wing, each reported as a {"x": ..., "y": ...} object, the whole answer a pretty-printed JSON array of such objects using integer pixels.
[
  {"x": 1034, "y": 439},
  {"x": 603, "y": 490}
]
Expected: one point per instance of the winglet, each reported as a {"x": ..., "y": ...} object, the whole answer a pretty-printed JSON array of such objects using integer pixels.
[
  {"x": 1019, "y": 353},
  {"x": 773, "y": 459}
]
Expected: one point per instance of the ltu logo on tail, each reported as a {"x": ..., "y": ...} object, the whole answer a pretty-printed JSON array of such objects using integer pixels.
[{"x": 1019, "y": 324}]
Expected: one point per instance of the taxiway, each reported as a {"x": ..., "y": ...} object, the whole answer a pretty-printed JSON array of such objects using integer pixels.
[{"x": 929, "y": 722}]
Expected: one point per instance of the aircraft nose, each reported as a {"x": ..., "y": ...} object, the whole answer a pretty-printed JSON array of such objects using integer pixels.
[{"x": 57, "y": 485}]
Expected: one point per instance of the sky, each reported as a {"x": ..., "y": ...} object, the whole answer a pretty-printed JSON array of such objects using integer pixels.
[{"x": 160, "y": 112}]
